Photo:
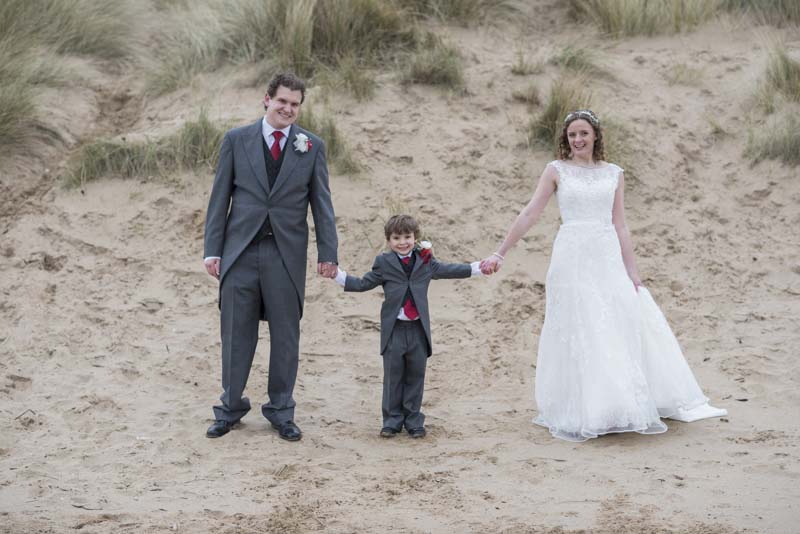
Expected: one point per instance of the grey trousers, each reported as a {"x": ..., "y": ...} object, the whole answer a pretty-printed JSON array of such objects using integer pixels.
[
  {"x": 258, "y": 279},
  {"x": 404, "y": 362}
]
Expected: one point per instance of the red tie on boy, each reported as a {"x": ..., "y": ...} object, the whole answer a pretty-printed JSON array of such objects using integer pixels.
[{"x": 408, "y": 307}]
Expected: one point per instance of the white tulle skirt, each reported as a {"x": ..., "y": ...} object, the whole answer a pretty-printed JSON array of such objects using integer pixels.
[{"x": 608, "y": 361}]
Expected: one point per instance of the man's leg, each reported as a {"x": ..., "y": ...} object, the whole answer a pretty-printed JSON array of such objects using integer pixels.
[
  {"x": 239, "y": 315},
  {"x": 416, "y": 360},
  {"x": 283, "y": 314}
]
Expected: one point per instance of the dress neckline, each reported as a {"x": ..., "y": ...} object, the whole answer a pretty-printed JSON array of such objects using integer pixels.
[{"x": 564, "y": 162}]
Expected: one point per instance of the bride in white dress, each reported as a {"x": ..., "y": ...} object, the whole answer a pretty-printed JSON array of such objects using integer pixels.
[{"x": 608, "y": 361}]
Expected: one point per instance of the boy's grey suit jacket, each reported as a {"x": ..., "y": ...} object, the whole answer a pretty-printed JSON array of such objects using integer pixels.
[
  {"x": 241, "y": 200},
  {"x": 388, "y": 272}
]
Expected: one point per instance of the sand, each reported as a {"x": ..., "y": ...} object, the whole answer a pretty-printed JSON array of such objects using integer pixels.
[{"x": 109, "y": 350}]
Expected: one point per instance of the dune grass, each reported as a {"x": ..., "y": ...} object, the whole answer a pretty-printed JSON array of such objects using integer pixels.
[
  {"x": 777, "y": 12},
  {"x": 464, "y": 12},
  {"x": 566, "y": 94},
  {"x": 434, "y": 63},
  {"x": 529, "y": 95},
  {"x": 683, "y": 74},
  {"x": 337, "y": 149},
  {"x": 779, "y": 139},
  {"x": 297, "y": 36},
  {"x": 581, "y": 60},
  {"x": 619, "y": 18},
  {"x": 523, "y": 67},
  {"x": 783, "y": 74},
  {"x": 194, "y": 146},
  {"x": 33, "y": 35}
]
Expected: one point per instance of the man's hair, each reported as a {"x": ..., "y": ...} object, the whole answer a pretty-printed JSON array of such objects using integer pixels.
[
  {"x": 288, "y": 80},
  {"x": 401, "y": 224}
]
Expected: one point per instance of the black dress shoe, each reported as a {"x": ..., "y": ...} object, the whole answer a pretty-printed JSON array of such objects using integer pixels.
[
  {"x": 417, "y": 432},
  {"x": 388, "y": 432},
  {"x": 288, "y": 431},
  {"x": 219, "y": 428}
]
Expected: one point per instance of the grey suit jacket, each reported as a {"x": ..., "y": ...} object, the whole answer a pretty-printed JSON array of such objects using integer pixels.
[
  {"x": 241, "y": 200},
  {"x": 388, "y": 272}
]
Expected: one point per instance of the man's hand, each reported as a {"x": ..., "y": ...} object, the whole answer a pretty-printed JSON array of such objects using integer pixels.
[
  {"x": 212, "y": 267},
  {"x": 326, "y": 269}
]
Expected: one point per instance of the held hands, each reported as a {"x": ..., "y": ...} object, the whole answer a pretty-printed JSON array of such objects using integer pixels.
[
  {"x": 492, "y": 264},
  {"x": 326, "y": 269}
]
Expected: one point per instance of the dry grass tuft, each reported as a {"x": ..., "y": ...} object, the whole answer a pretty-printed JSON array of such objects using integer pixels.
[
  {"x": 566, "y": 94},
  {"x": 779, "y": 139},
  {"x": 529, "y": 95},
  {"x": 522, "y": 67},
  {"x": 464, "y": 12},
  {"x": 777, "y": 12},
  {"x": 783, "y": 74},
  {"x": 683, "y": 74},
  {"x": 33, "y": 35},
  {"x": 195, "y": 145},
  {"x": 639, "y": 17},
  {"x": 337, "y": 148},
  {"x": 434, "y": 63}
]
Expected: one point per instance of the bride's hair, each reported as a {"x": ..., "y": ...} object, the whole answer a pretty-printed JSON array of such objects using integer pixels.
[{"x": 599, "y": 152}]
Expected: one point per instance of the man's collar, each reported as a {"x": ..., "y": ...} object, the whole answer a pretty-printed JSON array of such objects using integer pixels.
[{"x": 267, "y": 129}]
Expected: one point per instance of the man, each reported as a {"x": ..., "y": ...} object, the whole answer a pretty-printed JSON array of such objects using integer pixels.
[{"x": 256, "y": 241}]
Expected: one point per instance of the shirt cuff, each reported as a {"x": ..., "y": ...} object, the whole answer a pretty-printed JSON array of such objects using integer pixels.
[
  {"x": 205, "y": 260},
  {"x": 341, "y": 277},
  {"x": 476, "y": 268}
]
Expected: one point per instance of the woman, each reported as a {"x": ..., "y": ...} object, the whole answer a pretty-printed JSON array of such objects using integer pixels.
[{"x": 608, "y": 361}]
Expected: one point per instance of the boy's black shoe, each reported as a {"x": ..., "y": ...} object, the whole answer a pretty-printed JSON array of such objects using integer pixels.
[
  {"x": 417, "y": 432},
  {"x": 388, "y": 432}
]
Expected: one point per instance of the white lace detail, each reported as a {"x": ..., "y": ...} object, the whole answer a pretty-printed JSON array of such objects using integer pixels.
[{"x": 608, "y": 361}]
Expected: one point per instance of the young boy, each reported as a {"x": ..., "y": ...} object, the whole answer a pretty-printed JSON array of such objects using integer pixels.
[{"x": 404, "y": 273}]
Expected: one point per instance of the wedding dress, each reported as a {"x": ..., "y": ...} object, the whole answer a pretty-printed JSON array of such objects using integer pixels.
[{"x": 608, "y": 361}]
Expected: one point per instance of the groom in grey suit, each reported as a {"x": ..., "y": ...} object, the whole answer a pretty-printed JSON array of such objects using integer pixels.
[{"x": 256, "y": 242}]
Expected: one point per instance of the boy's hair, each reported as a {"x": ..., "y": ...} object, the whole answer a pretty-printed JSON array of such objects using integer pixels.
[{"x": 401, "y": 224}]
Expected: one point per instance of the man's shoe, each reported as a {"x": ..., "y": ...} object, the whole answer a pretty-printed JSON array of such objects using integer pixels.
[
  {"x": 417, "y": 432},
  {"x": 219, "y": 428},
  {"x": 288, "y": 431},
  {"x": 388, "y": 432}
]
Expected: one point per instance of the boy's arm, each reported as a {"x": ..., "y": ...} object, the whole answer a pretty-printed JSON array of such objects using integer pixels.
[
  {"x": 454, "y": 270},
  {"x": 371, "y": 280}
]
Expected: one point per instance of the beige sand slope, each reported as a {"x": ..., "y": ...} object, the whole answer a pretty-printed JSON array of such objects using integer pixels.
[{"x": 109, "y": 347}]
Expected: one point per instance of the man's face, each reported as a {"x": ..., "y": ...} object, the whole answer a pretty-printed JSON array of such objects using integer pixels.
[
  {"x": 283, "y": 108},
  {"x": 402, "y": 244}
]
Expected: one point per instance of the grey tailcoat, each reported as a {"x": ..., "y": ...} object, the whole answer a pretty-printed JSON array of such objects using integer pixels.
[
  {"x": 388, "y": 271},
  {"x": 241, "y": 200}
]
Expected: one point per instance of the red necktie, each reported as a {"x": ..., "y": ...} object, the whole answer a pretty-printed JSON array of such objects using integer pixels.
[
  {"x": 408, "y": 307},
  {"x": 276, "y": 145}
]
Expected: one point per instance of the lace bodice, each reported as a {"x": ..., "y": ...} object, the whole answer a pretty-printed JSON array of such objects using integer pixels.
[{"x": 586, "y": 195}]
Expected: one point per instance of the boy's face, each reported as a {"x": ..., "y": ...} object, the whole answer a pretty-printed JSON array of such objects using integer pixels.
[{"x": 401, "y": 243}]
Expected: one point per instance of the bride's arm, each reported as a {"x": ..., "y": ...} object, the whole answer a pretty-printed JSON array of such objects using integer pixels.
[
  {"x": 625, "y": 243},
  {"x": 526, "y": 218}
]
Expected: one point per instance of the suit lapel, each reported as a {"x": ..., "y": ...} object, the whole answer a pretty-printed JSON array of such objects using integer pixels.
[
  {"x": 394, "y": 262},
  {"x": 417, "y": 262},
  {"x": 254, "y": 147},
  {"x": 290, "y": 159}
]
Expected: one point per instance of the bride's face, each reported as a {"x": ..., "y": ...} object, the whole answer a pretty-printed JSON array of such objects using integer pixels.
[{"x": 581, "y": 138}]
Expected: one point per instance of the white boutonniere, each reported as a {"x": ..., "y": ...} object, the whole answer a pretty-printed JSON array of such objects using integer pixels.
[
  {"x": 425, "y": 251},
  {"x": 302, "y": 143}
]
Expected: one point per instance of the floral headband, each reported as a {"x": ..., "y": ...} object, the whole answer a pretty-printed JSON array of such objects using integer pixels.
[{"x": 586, "y": 114}]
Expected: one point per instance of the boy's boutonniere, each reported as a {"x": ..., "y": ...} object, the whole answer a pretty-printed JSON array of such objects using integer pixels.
[
  {"x": 425, "y": 251},
  {"x": 302, "y": 143}
]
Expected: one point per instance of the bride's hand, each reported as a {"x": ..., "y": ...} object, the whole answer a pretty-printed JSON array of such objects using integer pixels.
[{"x": 637, "y": 283}]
